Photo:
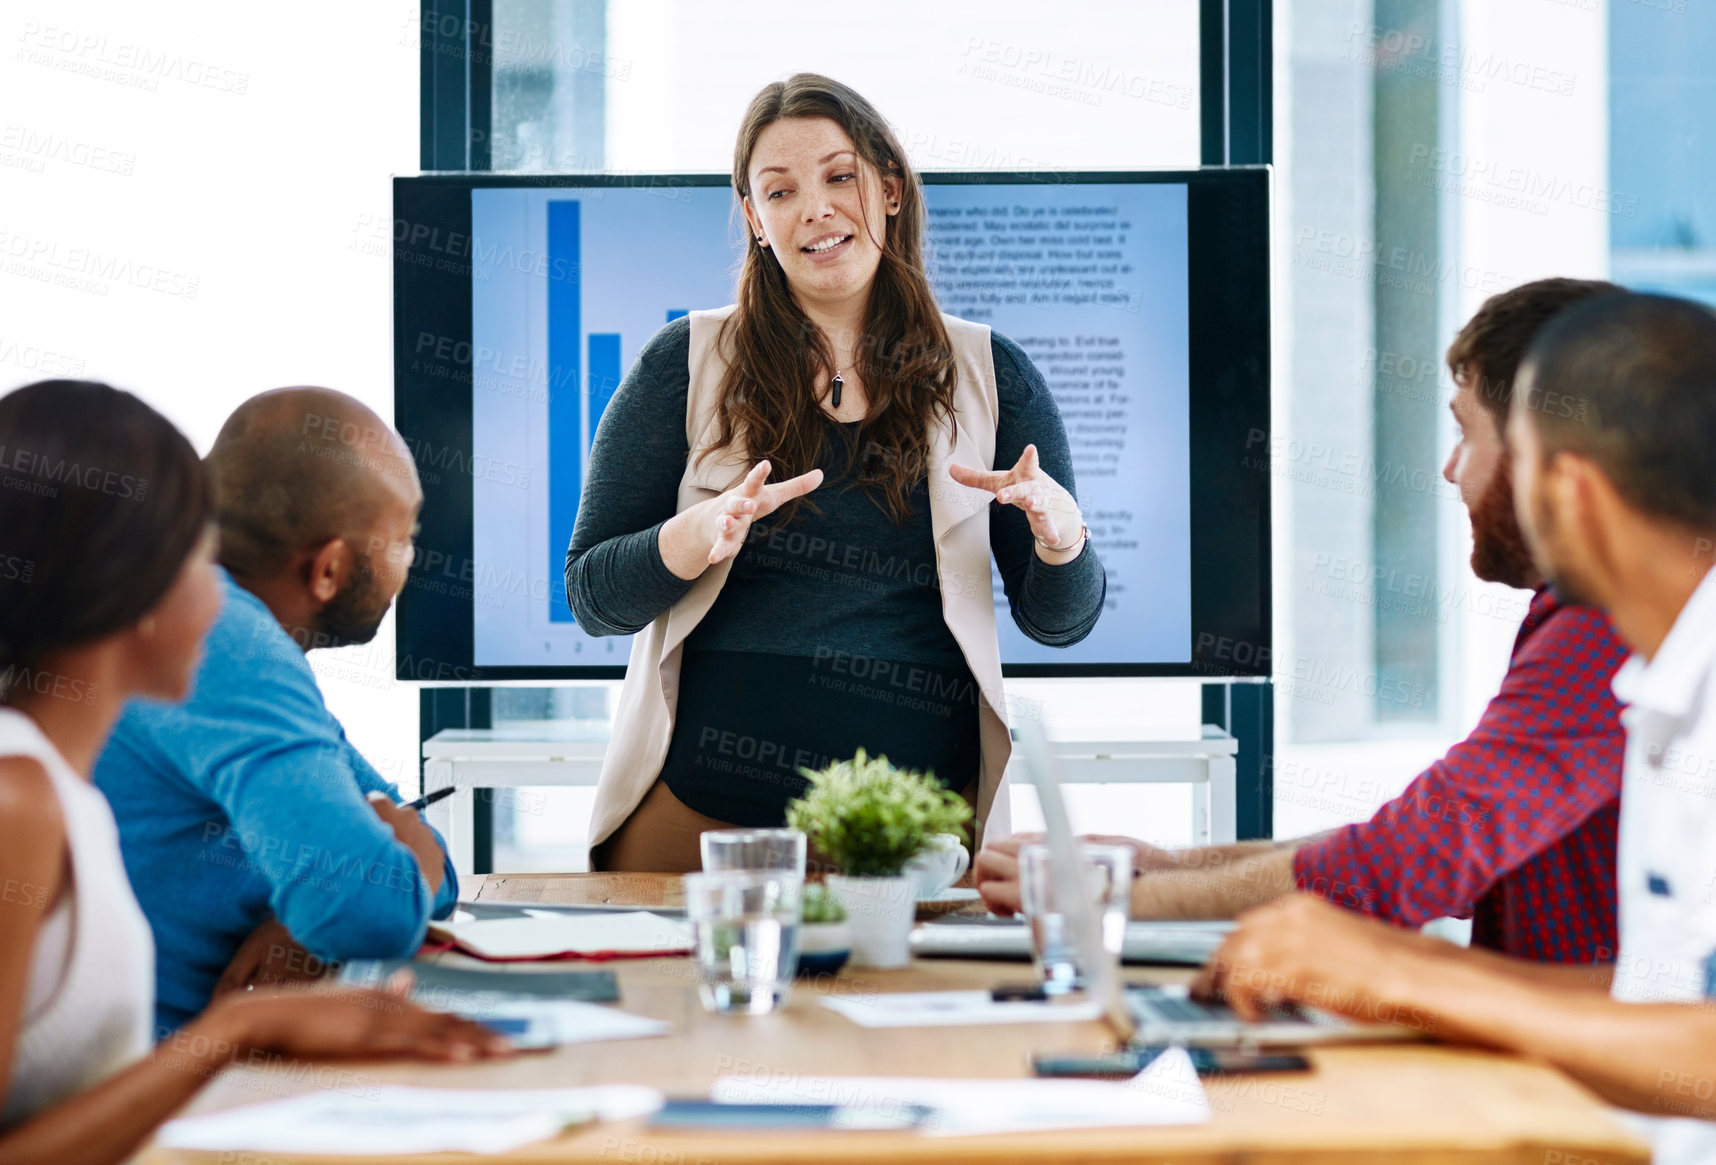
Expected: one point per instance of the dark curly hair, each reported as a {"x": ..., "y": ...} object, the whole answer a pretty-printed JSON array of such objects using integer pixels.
[
  {"x": 101, "y": 501},
  {"x": 1491, "y": 345}
]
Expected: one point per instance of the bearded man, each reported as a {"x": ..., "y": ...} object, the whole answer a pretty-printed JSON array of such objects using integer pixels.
[
  {"x": 1515, "y": 827},
  {"x": 261, "y": 845}
]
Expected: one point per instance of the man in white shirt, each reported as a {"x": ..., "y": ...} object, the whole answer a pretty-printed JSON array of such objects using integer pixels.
[{"x": 1613, "y": 437}]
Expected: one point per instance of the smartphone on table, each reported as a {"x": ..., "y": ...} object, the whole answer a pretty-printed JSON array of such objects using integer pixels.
[{"x": 1129, "y": 1062}]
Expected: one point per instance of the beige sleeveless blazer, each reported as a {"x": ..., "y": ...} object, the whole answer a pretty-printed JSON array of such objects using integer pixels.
[{"x": 643, "y": 723}]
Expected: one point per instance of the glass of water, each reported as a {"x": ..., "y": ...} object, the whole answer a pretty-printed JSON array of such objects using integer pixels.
[
  {"x": 1107, "y": 878},
  {"x": 753, "y": 849},
  {"x": 746, "y": 923}
]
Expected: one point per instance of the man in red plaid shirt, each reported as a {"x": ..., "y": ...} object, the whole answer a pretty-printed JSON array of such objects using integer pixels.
[{"x": 1515, "y": 827}]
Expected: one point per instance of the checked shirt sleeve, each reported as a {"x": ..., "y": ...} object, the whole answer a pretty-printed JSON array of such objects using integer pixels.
[{"x": 1544, "y": 757}]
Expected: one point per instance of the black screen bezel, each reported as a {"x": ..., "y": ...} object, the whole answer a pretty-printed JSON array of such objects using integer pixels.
[{"x": 1228, "y": 211}]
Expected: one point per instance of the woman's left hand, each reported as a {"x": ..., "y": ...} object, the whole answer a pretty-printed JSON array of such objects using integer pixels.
[{"x": 1054, "y": 515}]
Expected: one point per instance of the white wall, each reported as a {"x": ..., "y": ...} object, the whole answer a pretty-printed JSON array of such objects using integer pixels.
[{"x": 196, "y": 208}]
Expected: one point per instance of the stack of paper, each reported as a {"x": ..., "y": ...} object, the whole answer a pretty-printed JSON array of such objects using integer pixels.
[
  {"x": 542, "y": 1023},
  {"x": 1168, "y": 1092},
  {"x": 393, "y": 1120},
  {"x": 554, "y": 935}
]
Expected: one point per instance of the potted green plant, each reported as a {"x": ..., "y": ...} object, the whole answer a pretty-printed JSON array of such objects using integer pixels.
[
  {"x": 870, "y": 819},
  {"x": 825, "y": 939}
]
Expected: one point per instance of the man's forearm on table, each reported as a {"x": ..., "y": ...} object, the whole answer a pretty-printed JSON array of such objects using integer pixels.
[
  {"x": 1591, "y": 976},
  {"x": 1219, "y": 891},
  {"x": 1215, "y": 857},
  {"x": 1655, "y": 1058}
]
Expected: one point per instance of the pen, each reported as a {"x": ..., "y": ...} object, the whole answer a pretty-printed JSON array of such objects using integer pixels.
[{"x": 421, "y": 802}]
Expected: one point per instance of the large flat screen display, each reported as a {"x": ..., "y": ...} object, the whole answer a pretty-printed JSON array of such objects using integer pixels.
[{"x": 522, "y": 301}]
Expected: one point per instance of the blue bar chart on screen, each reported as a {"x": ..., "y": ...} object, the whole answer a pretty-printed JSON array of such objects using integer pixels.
[
  {"x": 580, "y": 382},
  {"x": 565, "y": 395}
]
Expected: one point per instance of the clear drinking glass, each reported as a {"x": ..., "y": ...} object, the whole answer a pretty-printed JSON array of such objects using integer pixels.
[
  {"x": 746, "y": 923},
  {"x": 1107, "y": 883},
  {"x": 753, "y": 849}
]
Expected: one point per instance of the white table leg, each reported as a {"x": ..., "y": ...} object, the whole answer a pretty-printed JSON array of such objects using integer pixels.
[
  {"x": 1223, "y": 800},
  {"x": 451, "y": 816}
]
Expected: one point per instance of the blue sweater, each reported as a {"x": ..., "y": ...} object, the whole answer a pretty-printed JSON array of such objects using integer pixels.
[{"x": 248, "y": 801}]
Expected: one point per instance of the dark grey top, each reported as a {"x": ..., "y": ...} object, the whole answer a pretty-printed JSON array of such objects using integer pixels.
[{"x": 846, "y": 579}]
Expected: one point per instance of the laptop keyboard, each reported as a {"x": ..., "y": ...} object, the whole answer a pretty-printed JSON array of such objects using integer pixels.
[{"x": 1177, "y": 1008}]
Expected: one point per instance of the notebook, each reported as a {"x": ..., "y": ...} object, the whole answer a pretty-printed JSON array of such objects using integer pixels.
[{"x": 554, "y": 935}]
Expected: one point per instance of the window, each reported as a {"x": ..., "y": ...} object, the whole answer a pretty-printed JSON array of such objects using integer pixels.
[
  {"x": 1429, "y": 154},
  {"x": 1661, "y": 198},
  {"x": 551, "y": 72}
]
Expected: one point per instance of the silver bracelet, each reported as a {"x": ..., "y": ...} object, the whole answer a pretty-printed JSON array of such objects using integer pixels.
[{"x": 1083, "y": 532}]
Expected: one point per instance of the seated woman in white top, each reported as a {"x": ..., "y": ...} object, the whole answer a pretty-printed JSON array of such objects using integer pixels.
[{"x": 107, "y": 587}]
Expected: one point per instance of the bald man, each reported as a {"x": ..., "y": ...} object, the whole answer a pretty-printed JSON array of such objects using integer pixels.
[{"x": 261, "y": 845}]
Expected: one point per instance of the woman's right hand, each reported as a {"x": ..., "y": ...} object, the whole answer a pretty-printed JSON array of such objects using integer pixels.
[
  {"x": 336, "y": 1021},
  {"x": 726, "y": 521}
]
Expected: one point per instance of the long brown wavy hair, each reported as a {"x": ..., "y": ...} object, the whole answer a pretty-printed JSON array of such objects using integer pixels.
[{"x": 774, "y": 350}]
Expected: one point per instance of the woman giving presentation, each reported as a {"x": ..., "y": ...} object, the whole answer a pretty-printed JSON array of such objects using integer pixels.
[{"x": 796, "y": 499}]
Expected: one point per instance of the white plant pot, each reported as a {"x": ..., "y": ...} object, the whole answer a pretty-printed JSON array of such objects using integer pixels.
[{"x": 880, "y": 913}]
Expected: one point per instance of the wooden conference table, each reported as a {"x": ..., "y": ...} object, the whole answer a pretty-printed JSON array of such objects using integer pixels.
[{"x": 1403, "y": 1104}]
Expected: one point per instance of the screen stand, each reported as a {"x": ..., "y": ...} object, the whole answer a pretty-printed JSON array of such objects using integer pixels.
[{"x": 1247, "y": 711}]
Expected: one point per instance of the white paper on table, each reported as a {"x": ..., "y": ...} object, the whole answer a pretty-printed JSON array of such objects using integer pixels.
[
  {"x": 570, "y": 1021},
  {"x": 395, "y": 1119},
  {"x": 1174, "y": 1082},
  {"x": 1168, "y": 1092},
  {"x": 952, "y": 894},
  {"x": 952, "y": 1009},
  {"x": 544, "y": 934}
]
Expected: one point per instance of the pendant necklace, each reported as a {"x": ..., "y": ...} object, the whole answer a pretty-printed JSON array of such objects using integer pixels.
[{"x": 837, "y": 386}]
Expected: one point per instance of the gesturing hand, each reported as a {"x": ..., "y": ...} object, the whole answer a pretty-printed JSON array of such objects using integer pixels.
[
  {"x": 729, "y": 516},
  {"x": 1054, "y": 515}
]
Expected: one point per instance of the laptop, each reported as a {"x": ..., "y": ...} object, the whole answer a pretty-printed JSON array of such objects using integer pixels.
[
  {"x": 1151, "y": 1016},
  {"x": 1183, "y": 944}
]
